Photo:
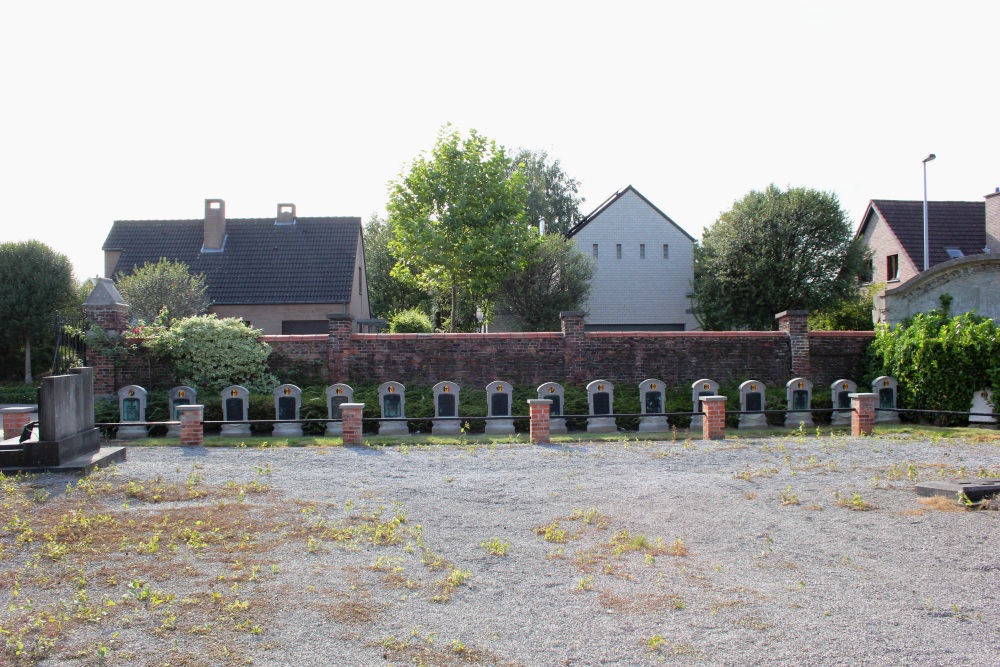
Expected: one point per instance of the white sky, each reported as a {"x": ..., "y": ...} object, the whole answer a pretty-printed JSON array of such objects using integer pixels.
[{"x": 136, "y": 110}]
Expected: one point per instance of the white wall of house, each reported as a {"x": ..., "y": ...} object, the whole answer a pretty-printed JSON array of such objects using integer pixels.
[{"x": 629, "y": 290}]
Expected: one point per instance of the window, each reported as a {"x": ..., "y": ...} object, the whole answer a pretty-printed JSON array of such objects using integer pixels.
[
  {"x": 618, "y": 251},
  {"x": 642, "y": 251},
  {"x": 595, "y": 251},
  {"x": 954, "y": 253},
  {"x": 892, "y": 267},
  {"x": 666, "y": 251}
]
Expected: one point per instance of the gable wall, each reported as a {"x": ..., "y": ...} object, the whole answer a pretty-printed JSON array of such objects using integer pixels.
[
  {"x": 359, "y": 288},
  {"x": 268, "y": 318},
  {"x": 883, "y": 243},
  {"x": 633, "y": 291}
]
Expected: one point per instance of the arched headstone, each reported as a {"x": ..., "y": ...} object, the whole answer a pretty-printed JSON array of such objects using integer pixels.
[
  {"x": 132, "y": 408},
  {"x": 840, "y": 397},
  {"x": 498, "y": 408},
  {"x": 699, "y": 389},
  {"x": 235, "y": 411},
  {"x": 798, "y": 393},
  {"x": 287, "y": 405},
  {"x": 337, "y": 395},
  {"x": 886, "y": 388},
  {"x": 752, "y": 395},
  {"x": 982, "y": 403},
  {"x": 446, "y": 395},
  {"x": 555, "y": 393},
  {"x": 601, "y": 401},
  {"x": 652, "y": 398},
  {"x": 182, "y": 395},
  {"x": 392, "y": 402}
]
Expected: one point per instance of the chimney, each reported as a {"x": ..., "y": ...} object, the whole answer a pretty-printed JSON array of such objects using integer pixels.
[
  {"x": 993, "y": 221},
  {"x": 215, "y": 225},
  {"x": 286, "y": 214}
]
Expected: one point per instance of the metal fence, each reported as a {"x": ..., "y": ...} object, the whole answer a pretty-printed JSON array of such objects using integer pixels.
[{"x": 70, "y": 348}]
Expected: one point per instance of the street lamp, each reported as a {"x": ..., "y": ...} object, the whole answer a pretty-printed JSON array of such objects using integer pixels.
[{"x": 927, "y": 251}]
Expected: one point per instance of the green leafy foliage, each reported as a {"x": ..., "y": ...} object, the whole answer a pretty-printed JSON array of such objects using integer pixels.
[
  {"x": 853, "y": 313},
  {"x": 773, "y": 251},
  {"x": 552, "y": 195},
  {"x": 388, "y": 294},
  {"x": 413, "y": 320},
  {"x": 938, "y": 360},
  {"x": 165, "y": 285}
]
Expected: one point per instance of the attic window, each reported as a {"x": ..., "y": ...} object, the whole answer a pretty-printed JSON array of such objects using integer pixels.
[{"x": 954, "y": 253}]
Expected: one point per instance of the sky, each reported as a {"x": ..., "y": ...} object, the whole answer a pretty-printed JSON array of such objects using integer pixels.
[{"x": 133, "y": 110}]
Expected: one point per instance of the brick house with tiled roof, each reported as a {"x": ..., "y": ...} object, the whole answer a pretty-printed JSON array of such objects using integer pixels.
[{"x": 283, "y": 275}]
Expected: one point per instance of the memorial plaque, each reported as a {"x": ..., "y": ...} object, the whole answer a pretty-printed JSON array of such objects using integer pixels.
[
  {"x": 844, "y": 400},
  {"x": 335, "y": 403},
  {"x": 286, "y": 407},
  {"x": 446, "y": 405},
  {"x": 234, "y": 409},
  {"x": 754, "y": 402},
  {"x": 130, "y": 409},
  {"x": 886, "y": 398},
  {"x": 556, "y": 408},
  {"x": 602, "y": 403},
  {"x": 800, "y": 400},
  {"x": 654, "y": 402},
  {"x": 391, "y": 406},
  {"x": 500, "y": 405}
]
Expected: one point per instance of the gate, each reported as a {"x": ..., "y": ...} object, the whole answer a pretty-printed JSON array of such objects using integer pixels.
[{"x": 70, "y": 342}]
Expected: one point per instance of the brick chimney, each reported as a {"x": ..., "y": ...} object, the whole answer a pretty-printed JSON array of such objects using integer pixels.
[
  {"x": 286, "y": 214},
  {"x": 215, "y": 225},
  {"x": 993, "y": 221}
]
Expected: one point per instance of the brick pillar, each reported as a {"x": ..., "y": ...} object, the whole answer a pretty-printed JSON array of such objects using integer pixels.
[
  {"x": 862, "y": 413},
  {"x": 192, "y": 430},
  {"x": 539, "y": 431},
  {"x": 795, "y": 323},
  {"x": 338, "y": 349},
  {"x": 573, "y": 339},
  {"x": 351, "y": 413},
  {"x": 113, "y": 318},
  {"x": 14, "y": 421},
  {"x": 714, "y": 420}
]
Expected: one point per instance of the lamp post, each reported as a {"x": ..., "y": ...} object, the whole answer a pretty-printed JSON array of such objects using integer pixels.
[{"x": 927, "y": 248}]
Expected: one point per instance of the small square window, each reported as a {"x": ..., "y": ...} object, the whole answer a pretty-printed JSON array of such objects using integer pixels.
[
  {"x": 595, "y": 251},
  {"x": 642, "y": 251},
  {"x": 954, "y": 253},
  {"x": 892, "y": 267},
  {"x": 666, "y": 251},
  {"x": 618, "y": 251}
]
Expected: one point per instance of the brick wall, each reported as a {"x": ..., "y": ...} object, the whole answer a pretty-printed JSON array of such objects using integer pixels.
[{"x": 837, "y": 354}]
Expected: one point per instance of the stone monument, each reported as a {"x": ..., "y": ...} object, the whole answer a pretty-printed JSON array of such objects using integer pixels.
[
  {"x": 287, "y": 405},
  {"x": 651, "y": 399},
  {"x": 601, "y": 401},
  {"x": 752, "y": 401},
  {"x": 182, "y": 395},
  {"x": 132, "y": 408},
  {"x": 498, "y": 403},
  {"x": 798, "y": 394},
  {"x": 446, "y": 395},
  {"x": 886, "y": 388},
  {"x": 235, "y": 411},
  {"x": 337, "y": 395},
  {"x": 555, "y": 393},
  {"x": 700, "y": 389},
  {"x": 392, "y": 401},
  {"x": 840, "y": 397}
]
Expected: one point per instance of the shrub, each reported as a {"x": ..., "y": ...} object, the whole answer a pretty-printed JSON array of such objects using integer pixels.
[{"x": 412, "y": 320}]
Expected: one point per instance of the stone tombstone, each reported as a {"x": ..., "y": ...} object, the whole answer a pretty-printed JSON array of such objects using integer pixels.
[
  {"x": 235, "y": 411},
  {"x": 982, "y": 401},
  {"x": 601, "y": 400},
  {"x": 498, "y": 404},
  {"x": 701, "y": 388},
  {"x": 287, "y": 405},
  {"x": 392, "y": 402},
  {"x": 446, "y": 405},
  {"x": 132, "y": 408},
  {"x": 555, "y": 393},
  {"x": 798, "y": 394},
  {"x": 182, "y": 395},
  {"x": 337, "y": 395},
  {"x": 886, "y": 388},
  {"x": 840, "y": 395},
  {"x": 752, "y": 394},
  {"x": 652, "y": 398}
]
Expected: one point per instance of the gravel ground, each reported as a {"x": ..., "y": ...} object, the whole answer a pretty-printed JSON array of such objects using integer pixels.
[{"x": 747, "y": 558}]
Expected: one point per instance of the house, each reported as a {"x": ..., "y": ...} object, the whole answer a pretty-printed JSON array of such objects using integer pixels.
[
  {"x": 644, "y": 266},
  {"x": 964, "y": 243},
  {"x": 282, "y": 275}
]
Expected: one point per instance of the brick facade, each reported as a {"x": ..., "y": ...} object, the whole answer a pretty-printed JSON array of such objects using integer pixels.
[
  {"x": 863, "y": 414},
  {"x": 539, "y": 427}
]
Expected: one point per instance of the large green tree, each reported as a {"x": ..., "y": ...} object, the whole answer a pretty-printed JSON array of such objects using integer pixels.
[
  {"x": 775, "y": 250},
  {"x": 165, "y": 285},
  {"x": 37, "y": 281},
  {"x": 556, "y": 277},
  {"x": 553, "y": 197},
  {"x": 388, "y": 294},
  {"x": 456, "y": 218}
]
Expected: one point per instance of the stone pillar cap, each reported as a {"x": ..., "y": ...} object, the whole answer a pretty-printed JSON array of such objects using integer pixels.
[
  {"x": 346, "y": 406},
  {"x": 788, "y": 313},
  {"x": 862, "y": 395},
  {"x": 537, "y": 401},
  {"x": 713, "y": 399}
]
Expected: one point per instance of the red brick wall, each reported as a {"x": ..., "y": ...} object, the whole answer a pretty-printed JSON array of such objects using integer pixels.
[{"x": 837, "y": 354}]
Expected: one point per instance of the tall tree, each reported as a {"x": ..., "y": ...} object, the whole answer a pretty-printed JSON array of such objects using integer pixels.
[
  {"x": 556, "y": 277},
  {"x": 166, "y": 284},
  {"x": 457, "y": 218},
  {"x": 553, "y": 197},
  {"x": 37, "y": 281},
  {"x": 388, "y": 294},
  {"x": 775, "y": 250}
]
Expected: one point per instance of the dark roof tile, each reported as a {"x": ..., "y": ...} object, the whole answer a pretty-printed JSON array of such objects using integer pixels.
[{"x": 950, "y": 224}]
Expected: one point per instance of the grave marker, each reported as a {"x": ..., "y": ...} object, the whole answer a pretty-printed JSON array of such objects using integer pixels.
[
  {"x": 287, "y": 405},
  {"x": 699, "y": 390},
  {"x": 798, "y": 394},
  {"x": 446, "y": 395},
  {"x": 392, "y": 402},
  {"x": 886, "y": 388},
  {"x": 840, "y": 395},
  {"x": 336, "y": 396},
  {"x": 752, "y": 395},
  {"x": 982, "y": 402},
  {"x": 178, "y": 396},
  {"x": 601, "y": 401},
  {"x": 235, "y": 411},
  {"x": 498, "y": 402},
  {"x": 132, "y": 408},
  {"x": 557, "y": 394},
  {"x": 651, "y": 399}
]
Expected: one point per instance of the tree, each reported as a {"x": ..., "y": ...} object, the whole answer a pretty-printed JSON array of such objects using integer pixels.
[
  {"x": 387, "y": 294},
  {"x": 166, "y": 284},
  {"x": 457, "y": 218},
  {"x": 37, "y": 281},
  {"x": 851, "y": 314},
  {"x": 775, "y": 251},
  {"x": 552, "y": 195},
  {"x": 556, "y": 278}
]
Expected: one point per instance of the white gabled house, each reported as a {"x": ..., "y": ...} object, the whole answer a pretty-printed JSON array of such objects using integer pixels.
[{"x": 645, "y": 266}]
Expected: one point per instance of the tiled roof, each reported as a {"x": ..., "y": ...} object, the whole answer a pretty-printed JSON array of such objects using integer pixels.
[
  {"x": 950, "y": 224},
  {"x": 311, "y": 261}
]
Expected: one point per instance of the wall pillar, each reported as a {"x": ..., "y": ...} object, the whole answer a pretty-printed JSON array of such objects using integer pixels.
[
  {"x": 351, "y": 413},
  {"x": 340, "y": 328},
  {"x": 572, "y": 322},
  {"x": 714, "y": 419},
  {"x": 14, "y": 421},
  {"x": 539, "y": 431},
  {"x": 795, "y": 323},
  {"x": 106, "y": 309},
  {"x": 862, "y": 413},
  {"x": 192, "y": 418}
]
